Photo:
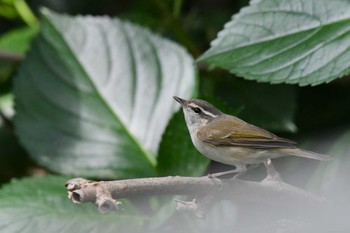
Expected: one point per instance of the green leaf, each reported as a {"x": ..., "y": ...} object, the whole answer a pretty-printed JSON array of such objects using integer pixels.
[
  {"x": 24, "y": 11},
  {"x": 8, "y": 11},
  {"x": 6, "y": 105},
  {"x": 177, "y": 154},
  {"x": 18, "y": 40},
  {"x": 14, "y": 9},
  {"x": 304, "y": 42},
  {"x": 94, "y": 95},
  {"x": 41, "y": 204}
]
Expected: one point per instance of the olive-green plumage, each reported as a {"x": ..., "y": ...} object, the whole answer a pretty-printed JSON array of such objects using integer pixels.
[{"x": 230, "y": 140}]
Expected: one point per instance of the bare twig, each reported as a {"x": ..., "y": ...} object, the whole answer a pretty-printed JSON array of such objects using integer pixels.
[
  {"x": 271, "y": 190},
  {"x": 81, "y": 190}
]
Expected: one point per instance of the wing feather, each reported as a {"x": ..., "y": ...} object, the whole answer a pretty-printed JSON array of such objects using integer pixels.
[{"x": 235, "y": 132}]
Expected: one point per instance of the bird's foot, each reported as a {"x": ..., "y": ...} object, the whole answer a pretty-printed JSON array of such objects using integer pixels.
[{"x": 214, "y": 178}]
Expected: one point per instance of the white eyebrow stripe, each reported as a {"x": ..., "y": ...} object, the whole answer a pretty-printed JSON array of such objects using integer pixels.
[
  {"x": 204, "y": 111},
  {"x": 194, "y": 105},
  {"x": 208, "y": 113}
]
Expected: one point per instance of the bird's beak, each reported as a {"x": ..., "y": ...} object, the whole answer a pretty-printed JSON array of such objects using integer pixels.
[{"x": 180, "y": 101}]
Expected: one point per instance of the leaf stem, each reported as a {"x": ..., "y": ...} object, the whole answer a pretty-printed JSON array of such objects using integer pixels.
[
  {"x": 25, "y": 12},
  {"x": 177, "y": 8}
]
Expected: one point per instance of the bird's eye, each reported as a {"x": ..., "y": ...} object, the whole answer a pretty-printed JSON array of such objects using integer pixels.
[{"x": 197, "y": 110}]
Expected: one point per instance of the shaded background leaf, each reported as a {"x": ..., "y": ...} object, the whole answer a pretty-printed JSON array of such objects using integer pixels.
[
  {"x": 37, "y": 204},
  {"x": 18, "y": 40},
  {"x": 98, "y": 91},
  {"x": 14, "y": 160},
  {"x": 303, "y": 42},
  {"x": 271, "y": 107}
]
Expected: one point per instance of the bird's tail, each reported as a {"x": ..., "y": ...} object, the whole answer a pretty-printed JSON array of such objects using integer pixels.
[{"x": 307, "y": 154}]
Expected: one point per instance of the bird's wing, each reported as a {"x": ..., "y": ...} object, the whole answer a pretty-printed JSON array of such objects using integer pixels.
[{"x": 229, "y": 132}]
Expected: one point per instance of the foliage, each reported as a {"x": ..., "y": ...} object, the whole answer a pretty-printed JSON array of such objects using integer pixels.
[
  {"x": 310, "y": 48},
  {"x": 14, "y": 9},
  {"x": 95, "y": 114},
  {"x": 93, "y": 98},
  {"x": 51, "y": 211}
]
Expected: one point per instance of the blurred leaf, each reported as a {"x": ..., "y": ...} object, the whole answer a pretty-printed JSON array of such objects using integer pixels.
[
  {"x": 7, "y": 68},
  {"x": 177, "y": 154},
  {"x": 13, "y": 159},
  {"x": 10, "y": 2},
  {"x": 269, "y": 106},
  {"x": 41, "y": 204},
  {"x": 7, "y": 10},
  {"x": 13, "y": 9},
  {"x": 25, "y": 12},
  {"x": 18, "y": 40},
  {"x": 304, "y": 42},
  {"x": 6, "y": 105},
  {"x": 94, "y": 95}
]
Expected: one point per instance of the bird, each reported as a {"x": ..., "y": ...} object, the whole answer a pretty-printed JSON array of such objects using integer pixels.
[{"x": 229, "y": 140}]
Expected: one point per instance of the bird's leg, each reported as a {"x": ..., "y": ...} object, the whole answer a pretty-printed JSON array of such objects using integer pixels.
[
  {"x": 251, "y": 167},
  {"x": 240, "y": 169}
]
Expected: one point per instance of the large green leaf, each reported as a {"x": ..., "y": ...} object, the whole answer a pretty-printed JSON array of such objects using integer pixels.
[
  {"x": 95, "y": 94},
  {"x": 41, "y": 205},
  {"x": 304, "y": 42}
]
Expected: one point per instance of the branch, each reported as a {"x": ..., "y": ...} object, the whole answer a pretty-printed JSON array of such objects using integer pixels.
[
  {"x": 81, "y": 190},
  {"x": 271, "y": 190},
  {"x": 9, "y": 56}
]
